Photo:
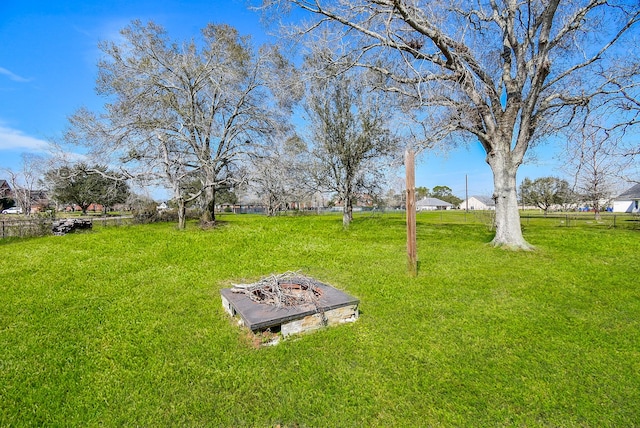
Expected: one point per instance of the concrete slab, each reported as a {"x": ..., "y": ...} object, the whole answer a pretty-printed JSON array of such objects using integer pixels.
[{"x": 260, "y": 316}]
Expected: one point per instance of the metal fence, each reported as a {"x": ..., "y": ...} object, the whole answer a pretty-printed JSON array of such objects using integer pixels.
[
  {"x": 604, "y": 220},
  {"x": 29, "y": 227},
  {"x": 112, "y": 221}
]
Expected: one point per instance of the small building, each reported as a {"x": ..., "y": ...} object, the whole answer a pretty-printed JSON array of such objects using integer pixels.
[
  {"x": 480, "y": 203},
  {"x": 628, "y": 201},
  {"x": 432, "y": 204}
]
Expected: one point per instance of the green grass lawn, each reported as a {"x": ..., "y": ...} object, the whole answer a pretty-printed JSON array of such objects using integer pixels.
[{"x": 124, "y": 326}]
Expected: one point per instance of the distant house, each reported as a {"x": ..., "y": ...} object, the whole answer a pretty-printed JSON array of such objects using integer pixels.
[
  {"x": 5, "y": 189},
  {"x": 432, "y": 204},
  {"x": 91, "y": 207},
  {"x": 39, "y": 200},
  {"x": 362, "y": 200},
  {"x": 480, "y": 203},
  {"x": 628, "y": 201}
]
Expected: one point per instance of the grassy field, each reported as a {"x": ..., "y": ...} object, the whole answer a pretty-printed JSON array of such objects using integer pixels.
[{"x": 124, "y": 326}]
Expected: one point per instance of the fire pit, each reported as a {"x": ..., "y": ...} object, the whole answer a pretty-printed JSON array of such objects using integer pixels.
[{"x": 289, "y": 304}]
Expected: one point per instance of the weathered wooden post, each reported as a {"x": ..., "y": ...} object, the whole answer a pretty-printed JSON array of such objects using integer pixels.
[{"x": 412, "y": 254}]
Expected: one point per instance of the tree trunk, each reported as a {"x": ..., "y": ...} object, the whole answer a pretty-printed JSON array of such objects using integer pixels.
[
  {"x": 182, "y": 214},
  {"x": 209, "y": 213},
  {"x": 273, "y": 206},
  {"x": 347, "y": 212},
  {"x": 507, "y": 219}
]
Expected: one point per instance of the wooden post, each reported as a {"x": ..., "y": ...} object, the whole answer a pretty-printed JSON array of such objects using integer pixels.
[{"x": 412, "y": 254}]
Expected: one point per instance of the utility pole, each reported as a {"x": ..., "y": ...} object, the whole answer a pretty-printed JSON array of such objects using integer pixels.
[
  {"x": 412, "y": 253},
  {"x": 466, "y": 193}
]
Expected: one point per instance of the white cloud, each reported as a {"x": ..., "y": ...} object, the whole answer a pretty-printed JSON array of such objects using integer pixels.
[
  {"x": 13, "y": 139},
  {"x": 13, "y": 76}
]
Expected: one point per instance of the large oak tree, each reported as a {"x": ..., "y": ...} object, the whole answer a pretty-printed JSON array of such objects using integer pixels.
[
  {"x": 83, "y": 185},
  {"x": 546, "y": 192}
]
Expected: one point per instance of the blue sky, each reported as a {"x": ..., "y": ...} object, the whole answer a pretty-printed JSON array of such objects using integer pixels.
[{"x": 48, "y": 59}]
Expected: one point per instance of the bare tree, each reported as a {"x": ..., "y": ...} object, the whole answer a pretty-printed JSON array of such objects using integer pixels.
[
  {"x": 279, "y": 174},
  {"x": 351, "y": 138},
  {"x": 181, "y": 111},
  {"x": 612, "y": 125},
  {"x": 24, "y": 181},
  {"x": 592, "y": 161},
  {"x": 605, "y": 147},
  {"x": 505, "y": 74}
]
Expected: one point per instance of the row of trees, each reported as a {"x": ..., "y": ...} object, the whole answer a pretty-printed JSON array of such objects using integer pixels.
[
  {"x": 552, "y": 192},
  {"x": 201, "y": 117},
  {"x": 81, "y": 185}
]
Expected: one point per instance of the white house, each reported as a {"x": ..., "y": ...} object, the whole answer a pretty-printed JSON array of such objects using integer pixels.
[
  {"x": 478, "y": 203},
  {"x": 432, "y": 204},
  {"x": 628, "y": 201}
]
